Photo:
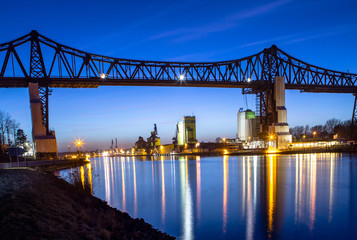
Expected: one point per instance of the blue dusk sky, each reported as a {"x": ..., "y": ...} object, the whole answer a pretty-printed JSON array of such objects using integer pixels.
[{"x": 321, "y": 32}]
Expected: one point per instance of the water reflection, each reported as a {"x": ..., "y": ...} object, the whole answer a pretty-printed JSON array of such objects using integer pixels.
[
  {"x": 186, "y": 200},
  {"x": 225, "y": 191},
  {"x": 123, "y": 183},
  {"x": 198, "y": 188},
  {"x": 135, "y": 195},
  {"x": 163, "y": 203},
  {"x": 107, "y": 180},
  {"x": 249, "y": 193},
  {"x": 271, "y": 192},
  {"x": 250, "y": 197}
]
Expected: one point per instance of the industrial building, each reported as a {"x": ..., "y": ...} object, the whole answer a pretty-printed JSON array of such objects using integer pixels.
[
  {"x": 247, "y": 125},
  {"x": 186, "y": 130}
]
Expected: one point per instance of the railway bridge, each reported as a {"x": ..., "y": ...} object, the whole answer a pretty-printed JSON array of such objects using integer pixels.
[{"x": 41, "y": 64}]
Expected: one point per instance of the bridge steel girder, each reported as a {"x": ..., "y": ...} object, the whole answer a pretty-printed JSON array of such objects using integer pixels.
[
  {"x": 55, "y": 65},
  {"x": 65, "y": 66}
]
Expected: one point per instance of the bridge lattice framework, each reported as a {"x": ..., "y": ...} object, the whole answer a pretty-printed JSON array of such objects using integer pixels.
[{"x": 53, "y": 65}]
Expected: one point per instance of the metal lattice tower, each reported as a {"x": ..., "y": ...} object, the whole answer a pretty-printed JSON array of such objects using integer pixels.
[
  {"x": 354, "y": 117},
  {"x": 266, "y": 96},
  {"x": 38, "y": 71}
]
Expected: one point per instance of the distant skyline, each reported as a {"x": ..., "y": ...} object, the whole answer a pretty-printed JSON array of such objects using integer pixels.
[{"x": 322, "y": 33}]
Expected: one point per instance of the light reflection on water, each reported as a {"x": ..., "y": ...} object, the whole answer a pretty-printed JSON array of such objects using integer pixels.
[{"x": 233, "y": 197}]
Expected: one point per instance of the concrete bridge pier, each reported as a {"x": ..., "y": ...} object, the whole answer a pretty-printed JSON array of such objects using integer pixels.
[
  {"x": 44, "y": 140},
  {"x": 280, "y": 129}
]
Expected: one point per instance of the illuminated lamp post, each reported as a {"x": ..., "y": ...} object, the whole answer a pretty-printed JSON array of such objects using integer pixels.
[
  {"x": 314, "y": 134},
  {"x": 198, "y": 147},
  {"x": 271, "y": 140},
  {"x": 79, "y": 143}
]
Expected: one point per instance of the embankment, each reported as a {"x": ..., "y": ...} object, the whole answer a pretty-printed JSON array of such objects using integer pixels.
[{"x": 36, "y": 205}]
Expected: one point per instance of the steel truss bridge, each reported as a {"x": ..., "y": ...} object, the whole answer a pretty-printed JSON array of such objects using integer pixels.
[{"x": 35, "y": 58}]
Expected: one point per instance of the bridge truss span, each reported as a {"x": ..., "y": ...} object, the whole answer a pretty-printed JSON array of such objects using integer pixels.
[
  {"x": 65, "y": 66},
  {"x": 36, "y": 59}
]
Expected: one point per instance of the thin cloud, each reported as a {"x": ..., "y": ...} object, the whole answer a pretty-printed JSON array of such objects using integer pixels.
[
  {"x": 280, "y": 41},
  {"x": 314, "y": 36},
  {"x": 227, "y": 23},
  {"x": 224, "y": 24}
]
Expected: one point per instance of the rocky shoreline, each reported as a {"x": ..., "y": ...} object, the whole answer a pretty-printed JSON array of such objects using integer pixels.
[{"x": 37, "y": 205}]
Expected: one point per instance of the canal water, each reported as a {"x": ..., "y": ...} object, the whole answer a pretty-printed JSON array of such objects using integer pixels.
[{"x": 302, "y": 196}]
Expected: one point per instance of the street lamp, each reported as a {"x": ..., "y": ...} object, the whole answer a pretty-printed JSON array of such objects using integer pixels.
[
  {"x": 314, "y": 133},
  {"x": 271, "y": 140},
  {"x": 78, "y": 143}
]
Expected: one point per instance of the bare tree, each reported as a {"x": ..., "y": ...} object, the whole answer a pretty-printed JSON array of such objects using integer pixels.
[
  {"x": 2, "y": 126},
  {"x": 297, "y": 131},
  {"x": 8, "y": 122},
  {"x": 331, "y": 124},
  {"x": 13, "y": 128},
  {"x": 8, "y": 127},
  {"x": 307, "y": 130}
]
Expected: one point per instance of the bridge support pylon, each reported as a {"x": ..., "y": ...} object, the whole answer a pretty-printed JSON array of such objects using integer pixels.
[
  {"x": 44, "y": 140},
  {"x": 280, "y": 128}
]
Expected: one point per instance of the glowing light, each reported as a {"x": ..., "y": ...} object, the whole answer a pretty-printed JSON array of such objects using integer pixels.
[
  {"x": 182, "y": 77},
  {"x": 271, "y": 136},
  {"x": 249, "y": 79},
  {"x": 105, "y": 154},
  {"x": 224, "y": 139},
  {"x": 225, "y": 151},
  {"x": 82, "y": 176},
  {"x": 197, "y": 144},
  {"x": 272, "y": 150},
  {"x": 103, "y": 75},
  {"x": 271, "y": 194},
  {"x": 89, "y": 168},
  {"x": 78, "y": 142}
]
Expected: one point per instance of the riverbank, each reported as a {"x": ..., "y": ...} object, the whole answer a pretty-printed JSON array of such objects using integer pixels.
[
  {"x": 47, "y": 165},
  {"x": 37, "y": 205},
  {"x": 245, "y": 152}
]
